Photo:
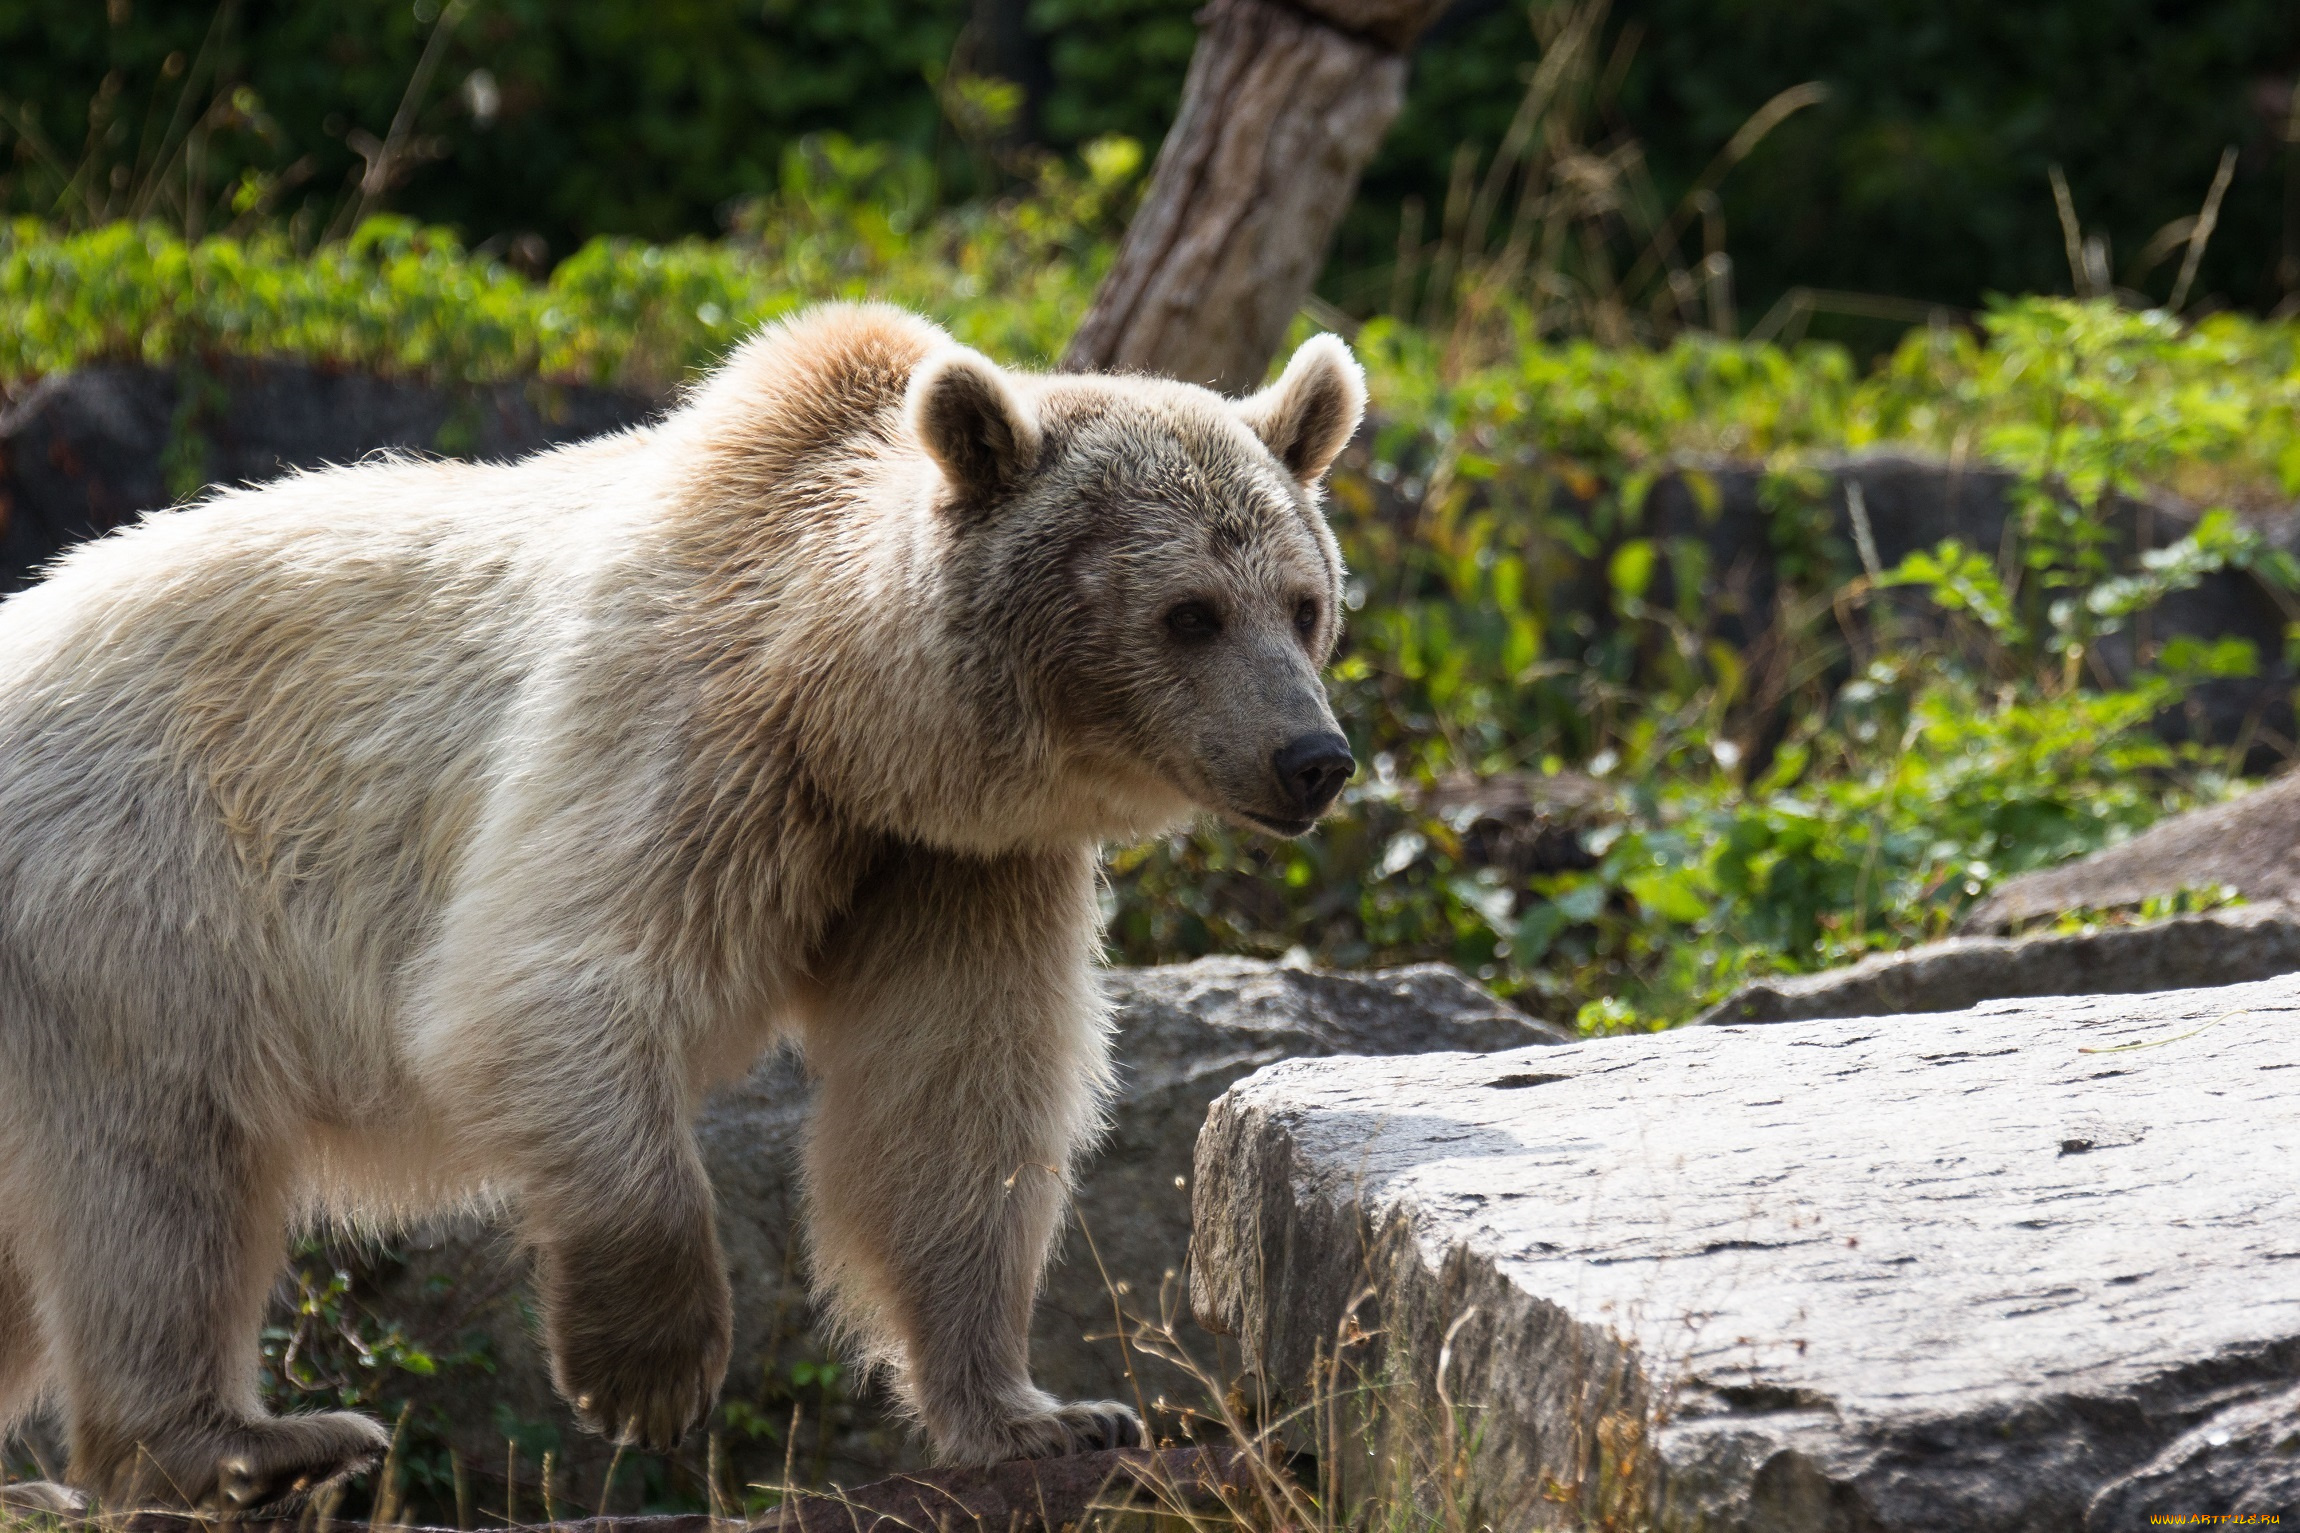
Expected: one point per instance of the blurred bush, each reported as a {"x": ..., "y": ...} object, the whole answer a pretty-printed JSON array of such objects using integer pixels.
[
  {"x": 1907, "y": 775},
  {"x": 1010, "y": 275},
  {"x": 1923, "y": 174},
  {"x": 1851, "y": 788}
]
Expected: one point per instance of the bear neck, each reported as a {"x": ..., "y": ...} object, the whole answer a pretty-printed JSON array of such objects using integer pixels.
[{"x": 837, "y": 670}]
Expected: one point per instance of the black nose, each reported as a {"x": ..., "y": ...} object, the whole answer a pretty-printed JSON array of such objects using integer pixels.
[{"x": 1313, "y": 769}]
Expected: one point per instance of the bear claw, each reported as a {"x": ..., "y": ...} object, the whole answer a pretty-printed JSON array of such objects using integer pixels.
[
  {"x": 290, "y": 1459},
  {"x": 43, "y": 1496},
  {"x": 1083, "y": 1426}
]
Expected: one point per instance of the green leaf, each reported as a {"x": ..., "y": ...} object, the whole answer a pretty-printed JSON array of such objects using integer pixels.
[
  {"x": 1673, "y": 896},
  {"x": 1631, "y": 568}
]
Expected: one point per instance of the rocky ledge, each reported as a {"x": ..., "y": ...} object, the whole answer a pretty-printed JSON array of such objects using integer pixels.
[
  {"x": 2219, "y": 947},
  {"x": 2032, "y": 1266}
]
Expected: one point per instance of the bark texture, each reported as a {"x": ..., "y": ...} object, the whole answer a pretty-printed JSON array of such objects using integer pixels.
[{"x": 1283, "y": 106}]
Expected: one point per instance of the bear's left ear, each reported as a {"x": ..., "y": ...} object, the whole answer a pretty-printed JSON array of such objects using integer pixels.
[
  {"x": 970, "y": 418},
  {"x": 1309, "y": 415}
]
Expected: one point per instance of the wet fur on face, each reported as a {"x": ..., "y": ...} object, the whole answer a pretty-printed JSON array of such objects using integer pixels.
[{"x": 422, "y": 833}]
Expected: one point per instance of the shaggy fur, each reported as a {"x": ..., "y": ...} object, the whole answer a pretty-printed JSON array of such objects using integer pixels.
[{"x": 406, "y": 834}]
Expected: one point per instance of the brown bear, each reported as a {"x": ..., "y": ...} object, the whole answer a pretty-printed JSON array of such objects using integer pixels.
[{"x": 424, "y": 833}]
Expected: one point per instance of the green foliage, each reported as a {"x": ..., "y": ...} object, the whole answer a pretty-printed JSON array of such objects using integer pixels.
[
  {"x": 1854, "y": 798},
  {"x": 326, "y": 1351},
  {"x": 623, "y": 118},
  {"x": 1011, "y": 277},
  {"x": 2104, "y": 398},
  {"x": 1902, "y": 740},
  {"x": 1923, "y": 174},
  {"x": 324, "y": 1347},
  {"x": 2188, "y": 900}
]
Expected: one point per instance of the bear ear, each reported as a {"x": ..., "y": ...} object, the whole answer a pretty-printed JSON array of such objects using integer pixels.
[
  {"x": 1309, "y": 415},
  {"x": 972, "y": 421}
]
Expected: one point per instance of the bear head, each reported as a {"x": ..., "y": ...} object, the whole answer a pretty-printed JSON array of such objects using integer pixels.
[{"x": 1150, "y": 564}]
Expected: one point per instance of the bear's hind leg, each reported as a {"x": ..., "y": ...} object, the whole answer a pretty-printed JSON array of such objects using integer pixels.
[
  {"x": 23, "y": 1356},
  {"x": 23, "y": 1376},
  {"x": 961, "y": 1052},
  {"x": 183, "y": 1218}
]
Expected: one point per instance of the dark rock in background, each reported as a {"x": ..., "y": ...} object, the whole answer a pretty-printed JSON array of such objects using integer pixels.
[
  {"x": 84, "y": 452},
  {"x": 1525, "y": 823},
  {"x": 1758, "y": 526},
  {"x": 2221, "y": 947},
  {"x": 1750, "y": 530}
]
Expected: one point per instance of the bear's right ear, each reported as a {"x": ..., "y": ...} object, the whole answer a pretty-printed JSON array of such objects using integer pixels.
[
  {"x": 1309, "y": 415},
  {"x": 972, "y": 421}
]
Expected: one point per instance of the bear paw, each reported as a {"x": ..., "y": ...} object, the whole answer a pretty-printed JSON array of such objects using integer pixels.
[
  {"x": 273, "y": 1466},
  {"x": 637, "y": 1355},
  {"x": 1083, "y": 1426},
  {"x": 641, "y": 1402}
]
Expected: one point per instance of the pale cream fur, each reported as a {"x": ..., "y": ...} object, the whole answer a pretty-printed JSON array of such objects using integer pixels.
[{"x": 418, "y": 832}]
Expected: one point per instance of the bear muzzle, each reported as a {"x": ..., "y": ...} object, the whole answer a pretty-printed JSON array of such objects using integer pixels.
[{"x": 1311, "y": 769}]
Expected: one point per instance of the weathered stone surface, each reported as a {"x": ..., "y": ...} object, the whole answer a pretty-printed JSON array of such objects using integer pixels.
[
  {"x": 2245, "y": 1459},
  {"x": 2250, "y": 843},
  {"x": 1817, "y": 1275},
  {"x": 2220, "y": 947},
  {"x": 87, "y": 451},
  {"x": 1185, "y": 1033}
]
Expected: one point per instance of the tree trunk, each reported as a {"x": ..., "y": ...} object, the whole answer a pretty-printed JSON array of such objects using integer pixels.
[{"x": 1285, "y": 102}]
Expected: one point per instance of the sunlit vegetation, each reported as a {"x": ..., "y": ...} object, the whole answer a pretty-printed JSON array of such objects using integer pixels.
[{"x": 1507, "y": 615}]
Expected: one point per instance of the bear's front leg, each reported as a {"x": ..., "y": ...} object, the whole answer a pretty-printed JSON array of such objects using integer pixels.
[
  {"x": 637, "y": 1319},
  {"x": 962, "y": 1053},
  {"x": 618, "y": 1213}
]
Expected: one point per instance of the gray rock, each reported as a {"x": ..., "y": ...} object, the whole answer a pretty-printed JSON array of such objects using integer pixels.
[
  {"x": 2220, "y": 947},
  {"x": 2245, "y": 1459},
  {"x": 87, "y": 451},
  {"x": 2251, "y": 844},
  {"x": 1185, "y": 1033},
  {"x": 1835, "y": 1275}
]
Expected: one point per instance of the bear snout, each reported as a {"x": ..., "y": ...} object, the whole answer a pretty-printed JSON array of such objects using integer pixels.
[{"x": 1311, "y": 769}]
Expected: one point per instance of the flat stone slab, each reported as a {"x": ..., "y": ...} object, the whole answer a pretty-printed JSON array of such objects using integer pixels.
[
  {"x": 2220, "y": 947},
  {"x": 2016, "y": 1268}
]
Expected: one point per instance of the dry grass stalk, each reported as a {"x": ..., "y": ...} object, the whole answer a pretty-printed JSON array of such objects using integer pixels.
[{"x": 1588, "y": 245}]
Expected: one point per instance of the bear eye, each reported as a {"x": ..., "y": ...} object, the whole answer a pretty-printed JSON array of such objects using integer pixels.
[
  {"x": 1193, "y": 622},
  {"x": 1306, "y": 616}
]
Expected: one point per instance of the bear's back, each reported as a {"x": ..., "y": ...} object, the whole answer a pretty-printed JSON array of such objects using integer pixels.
[
  {"x": 295, "y": 693},
  {"x": 802, "y": 391}
]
